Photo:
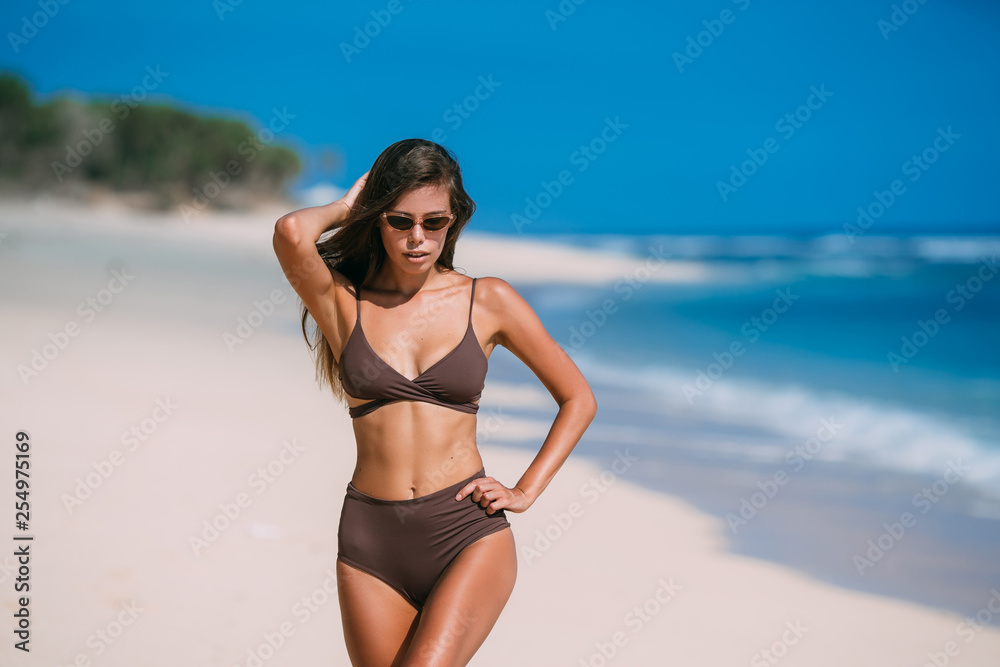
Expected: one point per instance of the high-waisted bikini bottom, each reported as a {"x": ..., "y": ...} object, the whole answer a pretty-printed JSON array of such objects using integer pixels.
[{"x": 408, "y": 543}]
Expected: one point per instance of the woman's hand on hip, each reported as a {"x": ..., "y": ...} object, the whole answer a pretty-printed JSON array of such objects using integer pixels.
[{"x": 493, "y": 495}]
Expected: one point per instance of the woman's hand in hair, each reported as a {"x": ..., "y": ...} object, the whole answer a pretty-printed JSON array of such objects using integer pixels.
[
  {"x": 306, "y": 225},
  {"x": 352, "y": 195}
]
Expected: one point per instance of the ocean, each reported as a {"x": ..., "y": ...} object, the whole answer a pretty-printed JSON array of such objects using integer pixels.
[{"x": 891, "y": 342}]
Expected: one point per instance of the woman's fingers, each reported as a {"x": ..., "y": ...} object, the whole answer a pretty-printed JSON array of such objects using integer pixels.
[
  {"x": 487, "y": 493},
  {"x": 468, "y": 488},
  {"x": 355, "y": 190},
  {"x": 475, "y": 488}
]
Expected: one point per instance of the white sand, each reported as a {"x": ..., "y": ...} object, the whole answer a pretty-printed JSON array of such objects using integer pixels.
[{"x": 130, "y": 540}]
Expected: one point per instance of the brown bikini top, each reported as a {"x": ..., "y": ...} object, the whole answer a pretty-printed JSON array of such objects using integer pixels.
[{"x": 455, "y": 381}]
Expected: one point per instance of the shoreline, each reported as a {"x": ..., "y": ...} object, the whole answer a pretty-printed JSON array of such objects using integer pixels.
[
  {"x": 647, "y": 533},
  {"x": 816, "y": 516},
  {"x": 528, "y": 259}
]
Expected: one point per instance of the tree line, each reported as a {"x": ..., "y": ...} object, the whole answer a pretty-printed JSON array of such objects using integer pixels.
[{"x": 167, "y": 156}]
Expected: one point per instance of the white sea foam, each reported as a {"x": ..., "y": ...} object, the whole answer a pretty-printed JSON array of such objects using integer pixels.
[
  {"x": 871, "y": 432},
  {"x": 868, "y": 248}
]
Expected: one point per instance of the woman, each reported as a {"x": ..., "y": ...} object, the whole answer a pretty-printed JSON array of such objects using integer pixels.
[{"x": 426, "y": 559}]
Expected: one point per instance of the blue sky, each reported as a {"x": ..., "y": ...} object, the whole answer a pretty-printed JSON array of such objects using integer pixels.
[{"x": 641, "y": 139}]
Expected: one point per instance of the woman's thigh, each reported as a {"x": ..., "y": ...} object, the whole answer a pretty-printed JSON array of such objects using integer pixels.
[
  {"x": 378, "y": 622},
  {"x": 465, "y": 602}
]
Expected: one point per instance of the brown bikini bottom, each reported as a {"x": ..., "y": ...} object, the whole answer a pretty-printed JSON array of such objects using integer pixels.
[{"x": 409, "y": 543}]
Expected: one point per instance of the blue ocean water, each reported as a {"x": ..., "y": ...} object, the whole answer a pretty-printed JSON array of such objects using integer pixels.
[{"x": 894, "y": 339}]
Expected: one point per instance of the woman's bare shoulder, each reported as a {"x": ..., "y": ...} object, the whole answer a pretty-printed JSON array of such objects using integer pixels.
[
  {"x": 494, "y": 292},
  {"x": 497, "y": 302}
]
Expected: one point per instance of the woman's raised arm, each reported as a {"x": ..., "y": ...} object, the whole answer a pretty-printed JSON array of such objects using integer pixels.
[
  {"x": 308, "y": 224},
  {"x": 295, "y": 236}
]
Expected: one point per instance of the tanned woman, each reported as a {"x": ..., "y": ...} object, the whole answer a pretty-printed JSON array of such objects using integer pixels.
[{"x": 426, "y": 557}]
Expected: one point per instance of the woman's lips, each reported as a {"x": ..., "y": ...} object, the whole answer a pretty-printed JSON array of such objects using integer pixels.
[{"x": 415, "y": 257}]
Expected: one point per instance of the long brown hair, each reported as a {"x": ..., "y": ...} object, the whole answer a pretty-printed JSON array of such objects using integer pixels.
[{"x": 356, "y": 249}]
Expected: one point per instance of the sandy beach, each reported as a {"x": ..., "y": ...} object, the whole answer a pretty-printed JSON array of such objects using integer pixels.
[{"x": 187, "y": 475}]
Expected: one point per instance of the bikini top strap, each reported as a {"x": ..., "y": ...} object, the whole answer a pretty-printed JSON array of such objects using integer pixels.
[
  {"x": 357, "y": 297},
  {"x": 472, "y": 299}
]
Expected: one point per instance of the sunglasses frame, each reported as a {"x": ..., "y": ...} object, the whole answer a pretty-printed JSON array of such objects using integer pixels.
[{"x": 419, "y": 221}]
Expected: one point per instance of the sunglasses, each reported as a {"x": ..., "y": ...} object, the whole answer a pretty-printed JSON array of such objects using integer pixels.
[{"x": 403, "y": 222}]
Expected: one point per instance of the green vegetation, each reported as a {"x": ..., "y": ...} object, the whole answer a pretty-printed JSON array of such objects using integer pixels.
[{"x": 166, "y": 156}]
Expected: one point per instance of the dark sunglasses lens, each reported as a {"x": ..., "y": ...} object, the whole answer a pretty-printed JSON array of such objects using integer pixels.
[
  {"x": 399, "y": 222},
  {"x": 434, "y": 224}
]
